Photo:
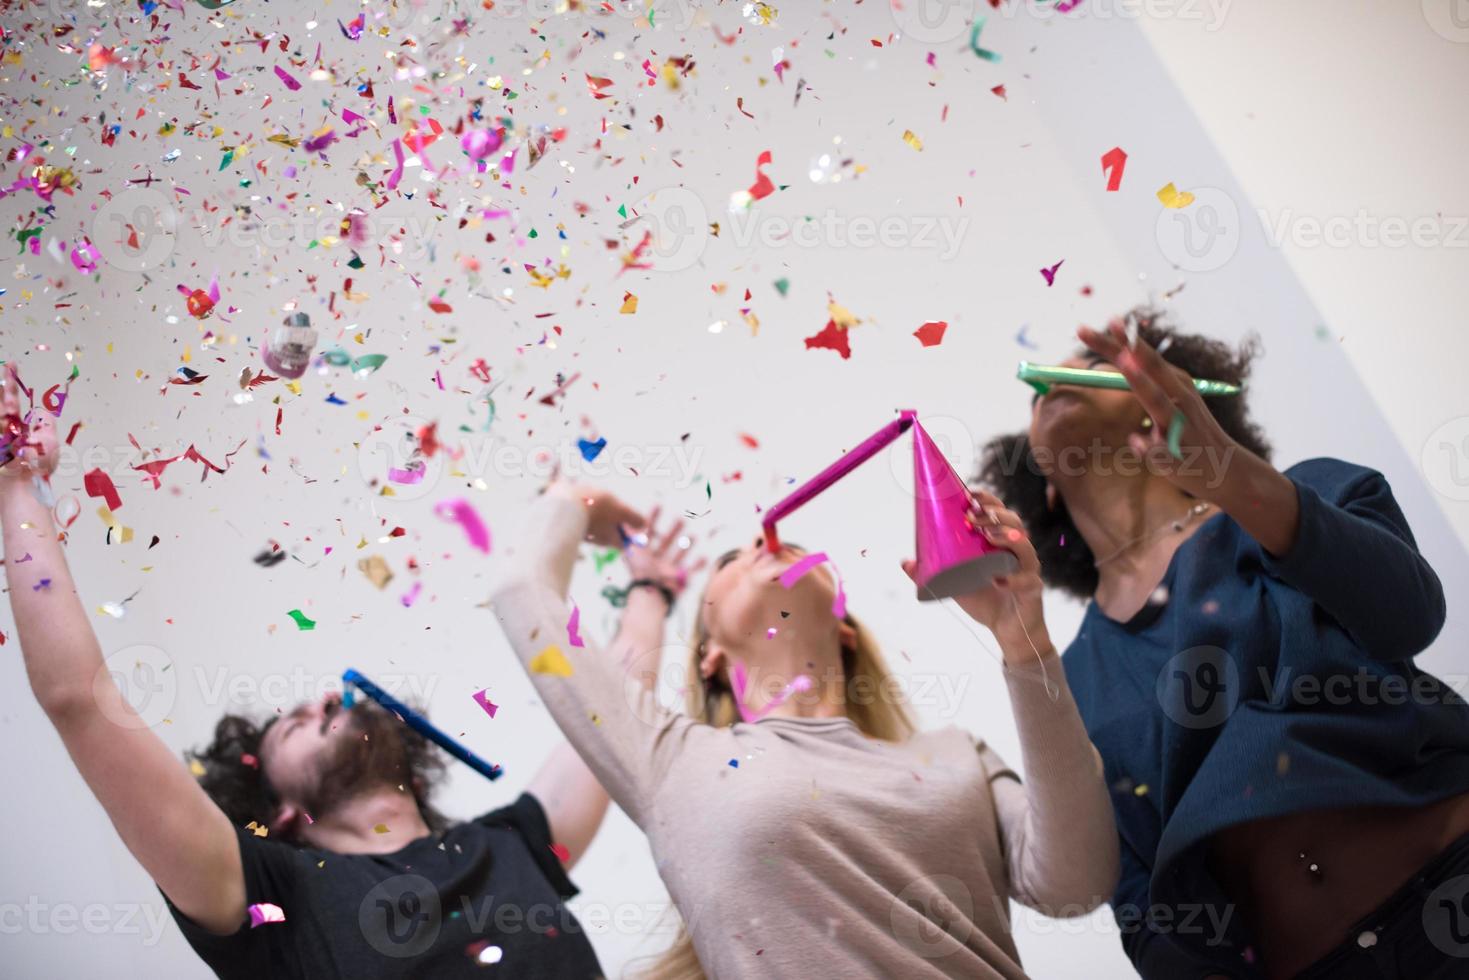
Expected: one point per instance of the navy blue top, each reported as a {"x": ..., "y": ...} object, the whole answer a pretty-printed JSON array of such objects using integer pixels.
[{"x": 1253, "y": 686}]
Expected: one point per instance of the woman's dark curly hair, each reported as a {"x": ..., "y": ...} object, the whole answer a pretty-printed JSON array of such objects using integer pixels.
[
  {"x": 229, "y": 769},
  {"x": 1009, "y": 470}
]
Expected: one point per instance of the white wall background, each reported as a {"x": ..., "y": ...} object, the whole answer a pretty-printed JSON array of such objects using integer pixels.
[{"x": 1026, "y": 169}]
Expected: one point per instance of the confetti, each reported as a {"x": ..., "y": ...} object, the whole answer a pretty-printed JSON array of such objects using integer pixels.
[
  {"x": 974, "y": 33},
  {"x": 264, "y": 912},
  {"x": 482, "y": 698},
  {"x": 1050, "y": 273},
  {"x": 931, "y": 334},
  {"x": 1173, "y": 198},
  {"x": 99, "y": 484},
  {"x": 1113, "y": 163},
  {"x": 551, "y": 661},
  {"x": 629, "y": 303},
  {"x": 590, "y": 449},
  {"x": 572, "y": 625},
  {"x": 302, "y": 623},
  {"x": 375, "y": 567},
  {"x": 463, "y": 513}
]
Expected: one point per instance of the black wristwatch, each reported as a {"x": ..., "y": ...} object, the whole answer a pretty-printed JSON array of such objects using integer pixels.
[{"x": 648, "y": 583}]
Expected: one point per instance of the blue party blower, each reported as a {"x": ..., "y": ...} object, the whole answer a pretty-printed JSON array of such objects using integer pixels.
[{"x": 415, "y": 721}]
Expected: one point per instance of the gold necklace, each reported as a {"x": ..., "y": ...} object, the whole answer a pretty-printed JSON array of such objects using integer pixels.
[{"x": 1176, "y": 525}]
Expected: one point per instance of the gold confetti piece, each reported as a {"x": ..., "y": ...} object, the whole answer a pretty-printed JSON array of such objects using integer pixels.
[
  {"x": 1173, "y": 198},
  {"x": 197, "y": 768},
  {"x": 912, "y": 140},
  {"x": 1141, "y": 789},
  {"x": 551, "y": 661},
  {"x": 260, "y": 829},
  {"x": 629, "y": 303},
  {"x": 375, "y": 567},
  {"x": 381, "y": 828}
]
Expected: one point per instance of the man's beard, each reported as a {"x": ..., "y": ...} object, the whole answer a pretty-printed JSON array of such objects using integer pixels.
[{"x": 370, "y": 755}]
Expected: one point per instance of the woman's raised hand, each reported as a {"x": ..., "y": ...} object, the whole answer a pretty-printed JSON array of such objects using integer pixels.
[
  {"x": 1167, "y": 392},
  {"x": 662, "y": 558},
  {"x": 1011, "y": 607},
  {"x": 609, "y": 520},
  {"x": 30, "y": 443}
]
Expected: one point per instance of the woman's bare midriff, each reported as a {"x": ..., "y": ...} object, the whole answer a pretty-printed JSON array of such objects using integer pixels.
[{"x": 1361, "y": 855}]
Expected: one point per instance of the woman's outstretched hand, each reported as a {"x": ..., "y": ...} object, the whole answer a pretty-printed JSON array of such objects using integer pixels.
[
  {"x": 662, "y": 558},
  {"x": 610, "y": 522},
  {"x": 1011, "y": 607},
  {"x": 30, "y": 442},
  {"x": 1206, "y": 450}
]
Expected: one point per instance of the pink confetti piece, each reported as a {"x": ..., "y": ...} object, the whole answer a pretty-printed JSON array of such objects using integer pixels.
[
  {"x": 285, "y": 76},
  {"x": 798, "y": 571},
  {"x": 409, "y": 597},
  {"x": 482, "y": 698},
  {"x": 464, "y": 515},
  {"x": 572, "y": 626},
  {"x": 263, "y": 912},
  {"x": 408, "y": 476},
  {"x": 397, "y": 174},
  {"x": 739, "y": 679}
]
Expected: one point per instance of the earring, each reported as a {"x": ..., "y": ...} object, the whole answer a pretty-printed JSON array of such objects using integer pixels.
[{"x": 1147, "y": 421}]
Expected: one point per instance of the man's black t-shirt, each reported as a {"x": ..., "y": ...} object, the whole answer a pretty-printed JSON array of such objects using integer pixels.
[{"x": 447, "y": 905}]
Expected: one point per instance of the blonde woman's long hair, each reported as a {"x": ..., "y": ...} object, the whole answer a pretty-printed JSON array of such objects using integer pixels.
[{"x": 712, "y": 702}]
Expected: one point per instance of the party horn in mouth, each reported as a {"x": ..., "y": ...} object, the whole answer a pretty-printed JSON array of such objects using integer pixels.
[
  {"x": 415, "y": 721},
  {"x": 1042, "y": 376},
  {"x": 951, "y": 555}
]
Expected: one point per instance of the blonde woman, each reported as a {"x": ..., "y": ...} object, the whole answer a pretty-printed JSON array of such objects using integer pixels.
[{"x": 823, "y": 836}]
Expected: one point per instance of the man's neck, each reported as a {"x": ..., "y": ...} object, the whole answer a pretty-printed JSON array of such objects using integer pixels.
[{"x": 352, "y": 826}]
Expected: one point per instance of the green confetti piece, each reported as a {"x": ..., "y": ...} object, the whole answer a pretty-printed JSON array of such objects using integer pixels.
[
  {"x": 782, "y": 286},
  {"x": 605, "y": 558},
  {"x": 229, "y": 158},
  {"x": 622, "y": 211},
  {"x": 974, "y": 41},
  {"x": 302, "y": 623},
  {"x": 1175, "y": 433},
  {"x": 534, "y": 234},
  {"x": 356, "y": 262},
  {"x": 337, "y": 357},
  {"x": 368, "y": 363}
]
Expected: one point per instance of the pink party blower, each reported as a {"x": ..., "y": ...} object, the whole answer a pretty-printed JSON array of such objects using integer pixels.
[{"x": 953, "y": 557}]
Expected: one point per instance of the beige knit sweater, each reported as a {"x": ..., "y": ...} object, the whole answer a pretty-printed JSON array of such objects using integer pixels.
[{"x": 801, "y": 848}]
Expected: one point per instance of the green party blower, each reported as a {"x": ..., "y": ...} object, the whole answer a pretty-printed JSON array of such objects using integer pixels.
[{"x": 1042, "y": 376}]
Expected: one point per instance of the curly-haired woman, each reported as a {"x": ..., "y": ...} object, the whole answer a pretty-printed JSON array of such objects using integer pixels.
[{"x": 1245, "y": 667}]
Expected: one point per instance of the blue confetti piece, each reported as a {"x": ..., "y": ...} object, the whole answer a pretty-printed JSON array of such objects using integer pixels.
[
  {"x": 734, "y": 763},
  {"x": 591, "y": 450},
  {"x": 332, "y": 399}
]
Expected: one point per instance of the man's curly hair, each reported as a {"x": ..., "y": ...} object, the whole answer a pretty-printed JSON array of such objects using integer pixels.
[
  {"x": 234, "y": 779},
  {"x": 1008, "y": 469}
]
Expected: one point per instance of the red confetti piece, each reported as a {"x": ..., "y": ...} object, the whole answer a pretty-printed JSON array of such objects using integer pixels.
[
  {"x": 99, "y": 484},
  {"x": 831, "y": 337},
  {"x": 763, "y": 186},
  {"x": 931, "y": 334}
]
